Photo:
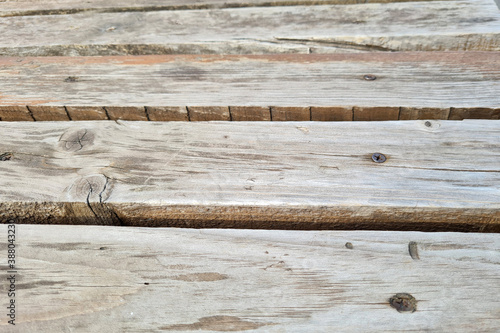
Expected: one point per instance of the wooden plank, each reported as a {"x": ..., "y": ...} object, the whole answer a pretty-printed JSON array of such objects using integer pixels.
[
  {"x": 65, "y": 7},
  {"x": 407, "y": 26},
  {"x": 420, "y": 80},
  {"x": 95, "y": 279},
  {"x": 439, "y": 175}
]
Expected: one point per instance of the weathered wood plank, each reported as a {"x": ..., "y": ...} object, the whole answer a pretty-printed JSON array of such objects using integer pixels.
[
  {"x": 90, "y": 279},
  {"x": 407, "y": 26},
  {"x": 65, "y": 7},
  {"x": 439, "y": 175},
  {"x": 435, "y": 81}
]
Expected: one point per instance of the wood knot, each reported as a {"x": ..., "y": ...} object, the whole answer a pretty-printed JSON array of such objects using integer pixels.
[
  {"x": 403, "y": 302},
  {"x": 92, "y": 188},
  {"x": 76, "y": 139},
  {"x": 6, "y": 156},
  {"x": 71, "y": 79}
]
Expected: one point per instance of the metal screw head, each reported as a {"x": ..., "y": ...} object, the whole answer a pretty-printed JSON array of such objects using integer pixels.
[
  {"x": 369, "y": 77},
  {"x": 379, "y": 158},
  {"x": 428, "y": 124}
]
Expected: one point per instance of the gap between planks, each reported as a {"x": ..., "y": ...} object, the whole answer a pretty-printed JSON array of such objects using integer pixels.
[{"x": 240, "y": 113}]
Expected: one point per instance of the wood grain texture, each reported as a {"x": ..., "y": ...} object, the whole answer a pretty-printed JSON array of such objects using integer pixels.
[
  {"x": 432, "y": 80},
  {"x": 290, "y": 113},
  {"x": 66, "y": 7},
  {"x": 425, "y": 113},
  {"x": 126, "y": 113},
  {"x": 250, "y": 113},
  {"x": 439, "y": 175},
  {"x": 405, "y": 26},
  {"x": 474, "y": 113},
  {"x": 169, "y": 113},
  {"x": 86, "y": 113},
  {"x": 94, "y": 279},
  {"x": 208, "y": 113},
  {"x": 375, "y": 113},
  {"x": 48, "y": 113},
  {"x": 15, "y": 113},
  {"x": 332, "y": 114}
]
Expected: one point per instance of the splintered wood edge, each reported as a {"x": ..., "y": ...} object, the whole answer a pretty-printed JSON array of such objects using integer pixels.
[{"x": 240, "y": 113}]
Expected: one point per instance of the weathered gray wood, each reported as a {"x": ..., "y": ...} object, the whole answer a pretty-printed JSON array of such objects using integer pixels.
[
  {"x": 64, "y": 7},
  {"x": 95, "y": 279},
  {"x": 431, "y": 80},
  {"x": 439, "y": 175},
  {"x": 407, "y": 26}
]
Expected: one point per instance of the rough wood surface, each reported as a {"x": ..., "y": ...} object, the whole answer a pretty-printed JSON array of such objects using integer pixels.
[
  {"x": 439, "y": 175},
  {"x": 422, "y": 81},
  {"x": 95, "y": 279},
  {"x": 65, "y": 7},
  {"x": 291, "y": 113},
  {"x": 404, "y": 26}
]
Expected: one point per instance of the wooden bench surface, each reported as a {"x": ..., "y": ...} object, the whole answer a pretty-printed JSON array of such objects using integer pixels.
[
  {"x": 109, "y": 28},
  {"x": 90, "y": 278},
  {"x": 438, "y": 175},
  {"x": 136, "y": 87}
]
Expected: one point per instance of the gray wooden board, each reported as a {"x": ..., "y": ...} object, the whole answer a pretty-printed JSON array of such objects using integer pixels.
[
  {"x": 414, "y": 79},
  {"x": 405, "y": 26},
  {"x": 439, "y": 175},
  {"x": 108, "y": 279},
  {"x": 63, "y": 7}
]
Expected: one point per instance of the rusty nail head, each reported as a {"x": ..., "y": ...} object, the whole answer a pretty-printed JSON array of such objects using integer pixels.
[
  {"x": 369, "y": 77},
  {"x": 379, "y": 158}
]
